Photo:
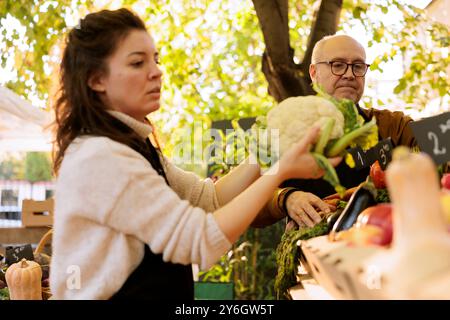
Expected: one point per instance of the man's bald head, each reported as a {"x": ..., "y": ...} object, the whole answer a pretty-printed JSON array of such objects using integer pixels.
[{"x": 320, "y": 46}]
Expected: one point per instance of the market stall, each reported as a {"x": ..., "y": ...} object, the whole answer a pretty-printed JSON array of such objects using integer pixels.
[
  {"x": 23, "y": 127},
  {"x": 399, "y": 249}
]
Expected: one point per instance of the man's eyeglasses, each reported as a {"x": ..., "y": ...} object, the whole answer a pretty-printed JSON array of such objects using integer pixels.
[{"x": 339, "y": 68}]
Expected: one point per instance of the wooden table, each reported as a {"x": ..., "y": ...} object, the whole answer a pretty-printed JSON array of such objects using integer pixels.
[
  {"x": 309, "y": 290},
  {"x": 20, "y": 235}
]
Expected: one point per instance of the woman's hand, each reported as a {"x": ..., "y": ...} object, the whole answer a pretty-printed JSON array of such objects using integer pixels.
[
  {"x": 297, "y": 162},
  {"x": 304, "y": 208}
]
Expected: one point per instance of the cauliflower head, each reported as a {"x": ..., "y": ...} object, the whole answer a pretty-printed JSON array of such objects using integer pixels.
[{"x": 295, "y": 115}]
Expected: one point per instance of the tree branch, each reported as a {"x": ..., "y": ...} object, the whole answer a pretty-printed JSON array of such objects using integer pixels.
[
  {"x": 325, "y": 23},
  {"x": 284, "y": 76},
  {"x": 273, "y": 19}
]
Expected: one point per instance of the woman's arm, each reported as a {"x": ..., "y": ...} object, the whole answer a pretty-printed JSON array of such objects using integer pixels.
[
  {"x": 138, "y": 203},
  {"x": 237, "y": 180}
]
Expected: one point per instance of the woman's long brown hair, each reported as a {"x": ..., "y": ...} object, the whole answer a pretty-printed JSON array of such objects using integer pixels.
[{"x": 78, "y": 110}]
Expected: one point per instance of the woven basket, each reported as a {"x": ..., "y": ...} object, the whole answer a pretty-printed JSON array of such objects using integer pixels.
[{"x": 46, "y": 238}]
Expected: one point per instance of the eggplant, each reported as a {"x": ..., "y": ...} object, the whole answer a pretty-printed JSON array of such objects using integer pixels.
[
  {"x": 332, "y": 218},
  {"x": 361, "y": 199}
]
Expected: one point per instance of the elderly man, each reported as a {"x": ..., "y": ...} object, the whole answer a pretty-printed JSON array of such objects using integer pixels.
[{"x": 339, "y": 67}]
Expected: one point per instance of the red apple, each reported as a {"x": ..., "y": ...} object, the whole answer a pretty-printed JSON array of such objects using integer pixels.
[
  {"x": 362, "y": 235},
  {"x": 380, "y": 216},
  {"x": 445, "y": 181},
  {"x": 377, "y": 175}
]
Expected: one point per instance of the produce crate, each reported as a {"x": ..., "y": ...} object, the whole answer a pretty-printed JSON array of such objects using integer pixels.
[
  {"x": 37, "y": 213},
  {"x": 338, "y": 268}
]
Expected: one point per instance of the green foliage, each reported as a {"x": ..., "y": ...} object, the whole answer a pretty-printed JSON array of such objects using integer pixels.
[
  {"x": 30, "y": 45},
  {"x": 255, "y": 276},
  {"x": 209, "y": 67},
  {"x": 12, "y": 168},
  {"x": 38, "y": 167},
  {"x": 250, "y": 264},
  {"x": 288, "y": 257},
  {"x": 421, "y": 42},
  {"x": 4, "y": 294}
]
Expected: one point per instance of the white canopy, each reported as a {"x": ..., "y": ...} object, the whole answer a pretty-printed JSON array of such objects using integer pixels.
[{"x": 23, "y": 127}]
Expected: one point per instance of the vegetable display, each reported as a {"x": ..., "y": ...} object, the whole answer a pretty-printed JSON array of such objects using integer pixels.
[
  {"x": 413, "y": 229},
  {"x": 417, "y": 264},
  {"x": 361, "y": 199}
]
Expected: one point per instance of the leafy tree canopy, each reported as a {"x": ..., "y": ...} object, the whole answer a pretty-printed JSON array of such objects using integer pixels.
[{"x": 211, "y": 51}]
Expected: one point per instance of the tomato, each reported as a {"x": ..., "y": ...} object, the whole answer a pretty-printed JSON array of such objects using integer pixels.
[
  {"x": 445, "y": 181},
  {"x": 380, "y": 216},
  {"x": 377, "y": 175}
]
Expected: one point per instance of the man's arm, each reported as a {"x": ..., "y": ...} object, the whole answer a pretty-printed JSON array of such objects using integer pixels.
[
  {"x": 305, "y": 208},
  {"x": 272, "y": 211},
  {"x": 395, "y": 125}
]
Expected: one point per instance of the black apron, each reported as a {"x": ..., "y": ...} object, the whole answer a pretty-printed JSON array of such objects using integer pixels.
[{"x": 155, "y": 279}]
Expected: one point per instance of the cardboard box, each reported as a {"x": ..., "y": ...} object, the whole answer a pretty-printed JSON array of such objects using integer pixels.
[{"x": 37, "y": 213}]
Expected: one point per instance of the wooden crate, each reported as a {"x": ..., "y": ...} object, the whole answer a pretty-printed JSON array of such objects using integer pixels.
[
  {"x": 338, "y": 267},
  {"x": 37, "y": 213},
  {"x": 365, "y": 272}
]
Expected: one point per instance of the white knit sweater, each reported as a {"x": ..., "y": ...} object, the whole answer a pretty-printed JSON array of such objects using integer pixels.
[{"x": 109, "y": 202}]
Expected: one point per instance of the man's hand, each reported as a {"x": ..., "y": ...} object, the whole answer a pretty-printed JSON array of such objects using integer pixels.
[{"x": 304, "y": 208}]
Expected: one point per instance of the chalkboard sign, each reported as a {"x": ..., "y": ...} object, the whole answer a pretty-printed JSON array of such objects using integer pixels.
[
  {"x": 362, "y": 158},
  {"x": 382, "y": 152},
  {"x": 433, "y": 136},
  {"x": 15, "y": 254}
]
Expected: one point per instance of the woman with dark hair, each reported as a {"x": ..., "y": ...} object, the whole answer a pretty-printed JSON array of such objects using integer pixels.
[{"x": 128, "y": 223}]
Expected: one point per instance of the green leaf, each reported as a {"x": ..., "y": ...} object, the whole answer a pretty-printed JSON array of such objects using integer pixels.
[{"x": 400, "y": 87}]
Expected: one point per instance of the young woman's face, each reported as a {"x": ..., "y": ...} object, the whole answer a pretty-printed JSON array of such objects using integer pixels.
[{"x": 133, "y": 82}]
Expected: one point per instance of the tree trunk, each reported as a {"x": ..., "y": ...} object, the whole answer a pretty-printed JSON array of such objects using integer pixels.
[{"x": 284, "y": 76}]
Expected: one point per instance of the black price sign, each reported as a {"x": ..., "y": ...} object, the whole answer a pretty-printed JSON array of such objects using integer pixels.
[
  {"x": 382, "y": 152},
  {"x": 433, "y": 136},
  {"x": 15, "y": 254}
]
